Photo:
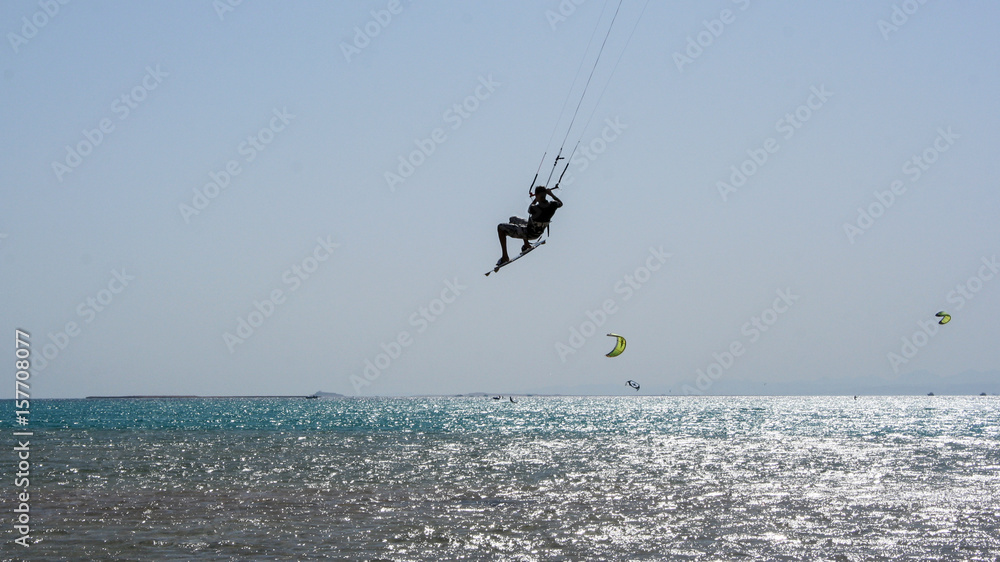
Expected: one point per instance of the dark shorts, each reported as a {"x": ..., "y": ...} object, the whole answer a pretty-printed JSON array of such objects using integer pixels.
[{"x": 518, "y": 228}]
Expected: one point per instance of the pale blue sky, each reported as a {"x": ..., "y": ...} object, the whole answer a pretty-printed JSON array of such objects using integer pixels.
[{"x": 381, "y": 265}]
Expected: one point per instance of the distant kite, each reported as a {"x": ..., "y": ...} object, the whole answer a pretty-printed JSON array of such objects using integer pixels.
[
  {"x": 634, "y": 385},
  {"x": 619, "y": 346},
  {"x": 944, "y": 316}
]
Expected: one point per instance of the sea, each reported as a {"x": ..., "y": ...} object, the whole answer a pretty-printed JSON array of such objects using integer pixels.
[{"x": 538, "y": 478}]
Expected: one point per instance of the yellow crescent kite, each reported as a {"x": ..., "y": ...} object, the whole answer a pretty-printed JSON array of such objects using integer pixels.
[
  {"x": 944, "y": 316},
  {"x": 619, "y": 346}
]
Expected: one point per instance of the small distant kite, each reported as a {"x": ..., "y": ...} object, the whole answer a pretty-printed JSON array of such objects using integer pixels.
[
  {"x": 619, "y": 346},
  {"x": 944, "y": 316},
  {"x": 634, "y": 385}
]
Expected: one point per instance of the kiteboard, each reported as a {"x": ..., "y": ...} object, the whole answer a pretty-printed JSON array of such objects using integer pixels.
[{"x": 514, "y": 259}]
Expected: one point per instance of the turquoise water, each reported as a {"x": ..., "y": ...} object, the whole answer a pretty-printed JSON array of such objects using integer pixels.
[{"x": 589, "y": 478}]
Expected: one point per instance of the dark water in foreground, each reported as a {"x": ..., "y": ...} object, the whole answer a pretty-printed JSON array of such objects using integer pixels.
[{"x": 604, "y": 478}]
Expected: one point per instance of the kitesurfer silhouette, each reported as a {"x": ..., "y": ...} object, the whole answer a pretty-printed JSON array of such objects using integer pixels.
[{"x": 539, "y": 215}]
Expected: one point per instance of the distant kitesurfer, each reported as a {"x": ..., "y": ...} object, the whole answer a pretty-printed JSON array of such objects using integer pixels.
[{"x": 539, "y": 214}]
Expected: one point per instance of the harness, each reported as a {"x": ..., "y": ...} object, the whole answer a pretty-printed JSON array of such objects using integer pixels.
[{"x": 539, "y": 227}]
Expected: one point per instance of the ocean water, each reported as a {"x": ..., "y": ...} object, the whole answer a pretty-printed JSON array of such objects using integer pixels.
[{"x": 546, "y": 478}]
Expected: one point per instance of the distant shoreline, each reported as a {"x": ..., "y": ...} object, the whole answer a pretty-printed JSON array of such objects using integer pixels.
[
  {"x": 485, "y": 395},
  {"x": 175, "y": 396}
]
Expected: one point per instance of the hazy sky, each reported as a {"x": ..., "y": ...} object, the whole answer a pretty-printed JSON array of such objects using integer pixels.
[{"x": 284, "y": 197}]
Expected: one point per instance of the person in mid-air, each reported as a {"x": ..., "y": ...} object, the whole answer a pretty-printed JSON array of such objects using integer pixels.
[{"x": 539, "y": 214}]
